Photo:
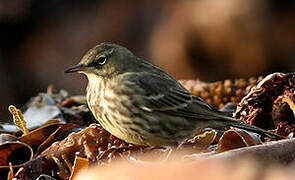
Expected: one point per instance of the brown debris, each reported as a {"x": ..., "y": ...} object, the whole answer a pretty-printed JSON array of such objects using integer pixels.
[
  {"x": 90, "y": 143},
  {"x": 16, "y": 153},
  {"x": 33, "y": 169},
  {"x": 54, "y": 136},
  {"x": 96, "y": 145},
  {"x": 284, "y": 129},
  {"x": 39, "y": 136},
  {"x": 202, "y": 141},
  {"x": 270, "y": 102},
  {"x": 284, "y": 108},
  {"x": 13, "y": 151},
  {"x": 220, "y": 93},
  {"x": 237, "y": 138}
]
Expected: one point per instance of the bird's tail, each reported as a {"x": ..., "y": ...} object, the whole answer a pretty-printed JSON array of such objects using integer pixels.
[{"x": 238, "y": 124}]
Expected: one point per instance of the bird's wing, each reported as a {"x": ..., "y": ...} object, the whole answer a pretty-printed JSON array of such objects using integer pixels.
[{"x": 152, "y": 93}]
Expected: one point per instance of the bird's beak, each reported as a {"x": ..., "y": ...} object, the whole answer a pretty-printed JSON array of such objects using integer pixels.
[{"x": 75, "y": 68}]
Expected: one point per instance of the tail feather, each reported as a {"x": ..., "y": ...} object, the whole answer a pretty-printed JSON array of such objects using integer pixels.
[{"x": 238, "y": 124}]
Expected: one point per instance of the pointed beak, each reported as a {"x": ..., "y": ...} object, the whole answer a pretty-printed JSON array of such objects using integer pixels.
[{"x": 75, "y": 68}]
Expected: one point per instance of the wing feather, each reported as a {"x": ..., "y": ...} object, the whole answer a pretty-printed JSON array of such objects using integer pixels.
[{"x": 161, "y": 94}]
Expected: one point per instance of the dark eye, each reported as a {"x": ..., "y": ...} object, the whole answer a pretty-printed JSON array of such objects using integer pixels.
[{"x": 101, "y": 60}]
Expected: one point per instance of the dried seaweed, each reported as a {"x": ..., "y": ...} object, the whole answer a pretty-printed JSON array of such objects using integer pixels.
[
  {"x": 18, "y": 119},
  {"x": 267, "y": 103},
  {"x": 237, "y": 138},
  {"x": 57, "y": 142},
  {"x": 219, "y": 93},
  {"x": 90, "y": 143}
]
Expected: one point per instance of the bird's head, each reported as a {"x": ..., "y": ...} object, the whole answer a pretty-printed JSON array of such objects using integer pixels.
[{"x": 105, "y": 60}]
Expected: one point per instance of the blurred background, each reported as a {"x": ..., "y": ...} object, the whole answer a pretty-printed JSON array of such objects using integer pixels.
[{"x": 210, "y": 40}]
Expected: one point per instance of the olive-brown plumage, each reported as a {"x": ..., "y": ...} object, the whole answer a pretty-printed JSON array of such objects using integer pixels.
[{"x": 141, "y": 103}]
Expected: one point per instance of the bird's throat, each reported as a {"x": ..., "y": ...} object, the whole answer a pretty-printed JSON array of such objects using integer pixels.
[
  {"x": 94, "y": 89},
  {"x": 93, "y": 79}
]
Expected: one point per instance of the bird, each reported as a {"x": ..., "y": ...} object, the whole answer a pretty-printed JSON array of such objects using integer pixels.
[{"x": 142, "y": 104}]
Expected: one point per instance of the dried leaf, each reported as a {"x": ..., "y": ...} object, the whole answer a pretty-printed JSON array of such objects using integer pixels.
[
  {"x": 18, "y": 119},
  {"x": 38, "y": 136},
  {"x": 52, "y": 121},
  {"x": 204, "y": 140},
  {"x": 237, "y": 138},
  {"x": 92, "y": 143},
  {"x": 79, "y": 163},
  {"x": 55, "y": 136},
  {"x": 14, "y": 152}
]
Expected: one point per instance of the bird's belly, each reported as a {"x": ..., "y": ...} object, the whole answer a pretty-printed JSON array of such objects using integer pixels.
[
  {"x": 123, "y": 120},
  {"x": 127, "y": 128},
  {"x": 111, "y": 114}
]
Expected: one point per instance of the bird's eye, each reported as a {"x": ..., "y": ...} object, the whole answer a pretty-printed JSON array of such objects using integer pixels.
[{"x": 101, "y": 60}]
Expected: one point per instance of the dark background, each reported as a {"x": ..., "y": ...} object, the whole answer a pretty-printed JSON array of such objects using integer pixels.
[{"x": 210, "y": 40}]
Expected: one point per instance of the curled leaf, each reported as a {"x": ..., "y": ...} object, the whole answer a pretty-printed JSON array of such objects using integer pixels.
[
  {"x": 44, "y": 136},
  {"x": 37, "y": 136},
  {"x": 58, "y": 134},
  {"x": 237, "y": 138},
  {"x": 15, "y": 152}
]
